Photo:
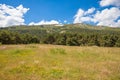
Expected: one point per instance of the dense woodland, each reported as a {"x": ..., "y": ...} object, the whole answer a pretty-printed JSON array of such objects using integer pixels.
[{"x": 72, "y": 35}]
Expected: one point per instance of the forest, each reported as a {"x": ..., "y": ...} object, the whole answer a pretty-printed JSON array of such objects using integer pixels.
[{"x": 72, "y": 35}]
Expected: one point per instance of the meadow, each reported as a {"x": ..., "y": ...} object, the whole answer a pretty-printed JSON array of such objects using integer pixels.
[{"x": 53, "y": 62}]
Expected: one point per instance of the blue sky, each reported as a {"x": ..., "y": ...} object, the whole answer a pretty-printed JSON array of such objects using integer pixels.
[
  {"x": 51, "y": 9},
  {"x": 61, "y": 10}
]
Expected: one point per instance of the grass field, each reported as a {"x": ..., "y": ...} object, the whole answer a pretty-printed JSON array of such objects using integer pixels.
[{"x": 52, "y": 62}]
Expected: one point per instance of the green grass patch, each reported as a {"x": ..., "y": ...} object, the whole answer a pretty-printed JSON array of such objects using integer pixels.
[
  {"x": 51, "y": 62},
  {"x": 58, "y": 51}
]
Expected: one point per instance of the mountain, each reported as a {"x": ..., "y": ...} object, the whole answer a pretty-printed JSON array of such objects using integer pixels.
[
  {"x": 68, "y": 34},
  {"x": 67, "y": 28}
]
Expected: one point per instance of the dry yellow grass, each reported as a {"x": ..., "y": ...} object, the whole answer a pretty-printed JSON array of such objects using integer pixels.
[{"x": 53, "y": 62}]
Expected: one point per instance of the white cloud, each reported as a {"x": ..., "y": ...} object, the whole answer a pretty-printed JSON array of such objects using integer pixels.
[
  {"x": 107, "y": 17},
  {"x": 45, "y": 22},
  {"x": 89, "y": 11},
  {"x": 109, "y": 2},
  {"x": 78, "y": 16},
  {"x": 10, "y": 16},
  {"x": 83, "y": 16}
]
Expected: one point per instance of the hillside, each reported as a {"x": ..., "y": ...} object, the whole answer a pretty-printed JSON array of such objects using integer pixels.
[
  {"x": 68, "y": 28},
  {"x": 69, "y": 34}
]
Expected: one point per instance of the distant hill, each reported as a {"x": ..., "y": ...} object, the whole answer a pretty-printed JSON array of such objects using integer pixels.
[
  {"x": 67, "y": 28},
  {"x": 68, "y": 34}
]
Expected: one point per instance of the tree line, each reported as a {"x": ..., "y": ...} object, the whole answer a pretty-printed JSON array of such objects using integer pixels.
[
  {"x": 71, "y": 39},
  {"x": 7, "y": 37}
]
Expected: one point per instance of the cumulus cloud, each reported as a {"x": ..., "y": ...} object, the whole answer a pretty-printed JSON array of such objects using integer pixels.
[
  {"x": 109, "y": 2},
  {"x": 107, "y": 17},
  {"x": 43, "y": 22},
  {"x": 10, "y": 16},
  {"x": 83, "y": 16},
  {"x": 89, "y": 11},
  {"x": 78, "y": 16}
]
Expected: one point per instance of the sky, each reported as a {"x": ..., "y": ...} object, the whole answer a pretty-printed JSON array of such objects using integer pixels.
[{"x": 43, "y": 12}]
